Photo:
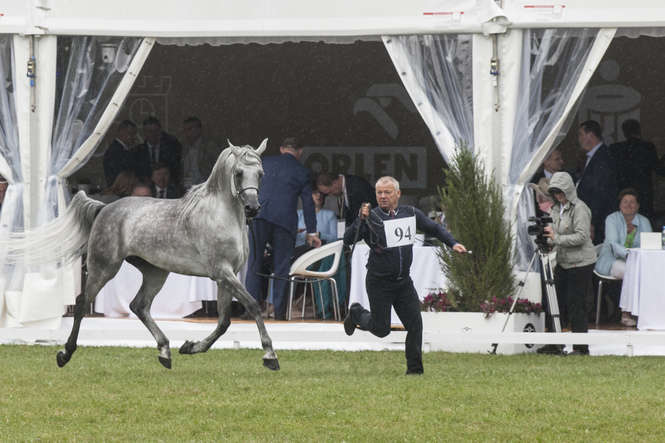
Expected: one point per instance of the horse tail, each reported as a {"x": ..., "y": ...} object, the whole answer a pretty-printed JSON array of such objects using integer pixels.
[{"x": 62, "y": 239}]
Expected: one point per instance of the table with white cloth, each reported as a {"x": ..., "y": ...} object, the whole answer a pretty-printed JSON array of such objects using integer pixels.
[
  {"x": 643, "y": 287},
  {"x": 180, "y": 296},
  {"x": 426, "y": 274}
]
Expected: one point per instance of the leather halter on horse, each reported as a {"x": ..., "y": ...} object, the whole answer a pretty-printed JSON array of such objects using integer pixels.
[
  {"x": 237, "y": 189},
  {"x": 234, "y": 182}
]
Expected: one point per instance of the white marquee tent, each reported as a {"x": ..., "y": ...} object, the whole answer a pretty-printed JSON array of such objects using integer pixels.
[{"x": 500, "y": 77}]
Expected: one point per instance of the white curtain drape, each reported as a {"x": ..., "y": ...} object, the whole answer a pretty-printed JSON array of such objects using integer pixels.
[
  {"x": 437, "y": 73},
  {"x": 11, "y": 208},
  {"x": 557, "y": 64},
  {"x": 98, "y": 76},
  {"x": 95, "y": 76},
  {"x": 11, "y": 217}
]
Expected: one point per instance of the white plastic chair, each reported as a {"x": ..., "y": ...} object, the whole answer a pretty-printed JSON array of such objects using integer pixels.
[
  {"x": 601, "y": 278},
  {"x": 300, "y": 274}
]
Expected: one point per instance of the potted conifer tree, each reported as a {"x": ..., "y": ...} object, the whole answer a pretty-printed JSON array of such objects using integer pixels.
[{"x": 480, "y": 284}]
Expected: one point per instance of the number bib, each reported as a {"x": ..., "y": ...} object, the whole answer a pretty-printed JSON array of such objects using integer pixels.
[{"x": 400, "y": 231}]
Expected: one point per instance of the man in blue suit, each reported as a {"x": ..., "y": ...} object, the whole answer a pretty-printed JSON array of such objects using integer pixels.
[
  {"x": 284, "y": 180},
  {"x": 597, "y": 183}
]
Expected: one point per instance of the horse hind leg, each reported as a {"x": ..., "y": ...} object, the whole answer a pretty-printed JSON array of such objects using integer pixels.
[
  {"x": 153, "y": 280},
  {"x": 224, "y": 309},
  {"x": 94, "y": 283},
  {"x": 65, "y": 355}
]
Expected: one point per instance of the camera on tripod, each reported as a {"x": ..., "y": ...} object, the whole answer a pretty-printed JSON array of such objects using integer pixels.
[{"x": 538, "y": 229}]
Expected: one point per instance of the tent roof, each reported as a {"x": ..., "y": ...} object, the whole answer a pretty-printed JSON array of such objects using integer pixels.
[
  {"x": 299, "y": 18},
  {"x": 260, "y": 18}
]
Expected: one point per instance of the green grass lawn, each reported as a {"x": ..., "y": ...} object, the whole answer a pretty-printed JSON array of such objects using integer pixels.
[{"x": 125, "y": 394}]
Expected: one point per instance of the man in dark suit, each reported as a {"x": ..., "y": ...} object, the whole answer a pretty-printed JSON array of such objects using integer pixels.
[
  {"x": 158, "y": 147},
  {"x": 119, "y": 156},
  {"x": 636, "y": 161},
  {"x": 284, "y": 180},
  {"x": 161, "y": 186},
  {"x": 351, "y": 192},
  {"x": 597, "y": 185}
]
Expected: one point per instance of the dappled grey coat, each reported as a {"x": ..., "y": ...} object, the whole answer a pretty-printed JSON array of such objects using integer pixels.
[{"x": 572, "y": 226}]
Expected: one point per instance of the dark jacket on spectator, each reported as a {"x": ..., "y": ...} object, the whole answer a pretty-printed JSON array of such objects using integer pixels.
[
  {"x": 597, "y": 187},
  {"x": 392, "y": 263}
]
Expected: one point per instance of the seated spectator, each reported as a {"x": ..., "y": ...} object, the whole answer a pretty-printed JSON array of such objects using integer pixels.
[
  {"x": 142, "y": 190},
  {"x": 431, "y": 205},
  {"x": 198, "y": 154},
  {"x": 119, "y": 156},
  {"x": 3, "y": 190},
  {"x": 122, "y": 187},
  {"x": 159, "y": 147},
  {"x": 351, "y": 192},
  {"x": 541, "y": 181},
  {"x": 622, "y": 231},
  {"x": 326, "y": 223},
  {"x": 161, "y": 182}
]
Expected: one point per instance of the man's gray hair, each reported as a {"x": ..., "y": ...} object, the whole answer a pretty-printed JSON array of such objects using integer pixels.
[{"x": 388, "y": 180}]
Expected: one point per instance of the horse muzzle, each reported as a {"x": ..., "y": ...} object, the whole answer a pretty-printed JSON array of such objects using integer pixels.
[{"x": 251, "y": 211}]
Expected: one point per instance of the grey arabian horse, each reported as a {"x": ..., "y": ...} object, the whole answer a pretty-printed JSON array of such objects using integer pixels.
[{"x": 201, "y": 234}]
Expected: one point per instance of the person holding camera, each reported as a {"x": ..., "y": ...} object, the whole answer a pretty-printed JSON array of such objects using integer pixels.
[
  {"x": 389, "y": 231},
  {"x": 570, "y": 234}
]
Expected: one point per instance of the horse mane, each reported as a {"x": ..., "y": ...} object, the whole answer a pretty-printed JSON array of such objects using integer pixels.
[{"x": 217, "y": 183}]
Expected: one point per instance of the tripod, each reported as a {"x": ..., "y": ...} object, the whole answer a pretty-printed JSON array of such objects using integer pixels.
[{"x": 552, "y": 301}]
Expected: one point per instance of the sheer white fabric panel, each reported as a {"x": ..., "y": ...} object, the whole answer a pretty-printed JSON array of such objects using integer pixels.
[
  {"x": 524, "y": 246},
  {"x": 437, "y": 73},
  {"x": 87, "y": 148},
  {"x": 11, "y": 214},
  {"x": 95, "y": 67},
  {"x": 556, "y": 66},
  {"x": 552, "y": 62},
  {"x": 10, "y": 165}
]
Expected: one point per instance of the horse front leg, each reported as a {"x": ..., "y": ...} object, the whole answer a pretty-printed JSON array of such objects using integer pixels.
[
  {"x": 224, "y": 308},
  {"x": 231, "y": 284}
]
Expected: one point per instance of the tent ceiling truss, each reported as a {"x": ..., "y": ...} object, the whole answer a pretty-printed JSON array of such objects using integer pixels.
[{"x": 306, "y": 18}]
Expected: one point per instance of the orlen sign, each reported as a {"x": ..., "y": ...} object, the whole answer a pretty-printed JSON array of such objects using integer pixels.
[{"x": 406, "y": 163}]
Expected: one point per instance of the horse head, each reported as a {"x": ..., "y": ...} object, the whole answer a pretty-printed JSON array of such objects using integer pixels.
[{"x": 246, "y": 176}]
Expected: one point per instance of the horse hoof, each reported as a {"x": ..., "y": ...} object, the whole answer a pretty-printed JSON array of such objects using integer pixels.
[
  {"x": 62, "y": 358},
  {"x": 166, "y": 362},
  {"x": 186, "y": 347},
  {"x": 271, "y": 363}
]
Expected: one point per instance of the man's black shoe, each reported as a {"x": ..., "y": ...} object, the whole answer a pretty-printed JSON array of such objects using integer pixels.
[
  {"x": 197, "y": 314},
  {"x": 579, "y": 352},
  {"x": 551, "y": 350},
  {"x": 349, "y": 325},
  {"x": 414, "y": 372}
]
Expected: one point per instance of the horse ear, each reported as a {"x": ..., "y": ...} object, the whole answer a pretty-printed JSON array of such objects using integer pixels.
[
  {"x": 229, "y": 142},
  {"x": 262, "y": 146}
]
